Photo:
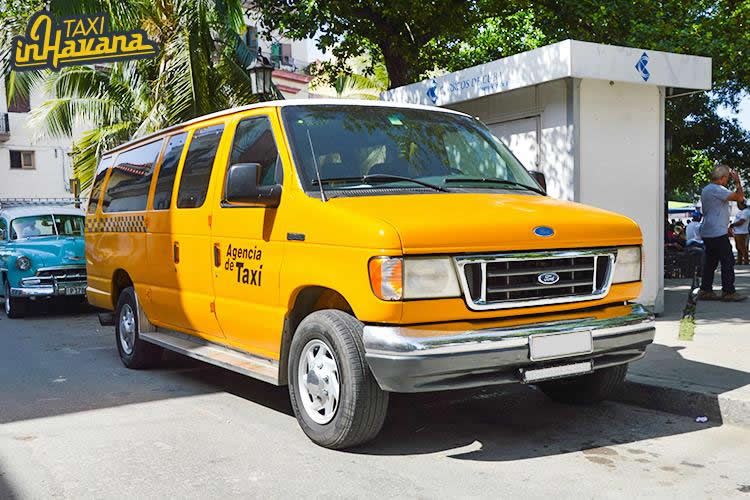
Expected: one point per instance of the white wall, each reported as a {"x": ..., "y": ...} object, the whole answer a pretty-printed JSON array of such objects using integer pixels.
[
  {"x": 536, "y": 123},
  {"x": 53, "y": 166},
  {"x": 620, "y": 139}
]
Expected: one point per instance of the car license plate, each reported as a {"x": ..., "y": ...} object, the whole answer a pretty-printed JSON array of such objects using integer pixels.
[
  {"x": 77, "y": 290},
  {"x": 559, "y": 345},
  {"x": 552, "y": 372}
]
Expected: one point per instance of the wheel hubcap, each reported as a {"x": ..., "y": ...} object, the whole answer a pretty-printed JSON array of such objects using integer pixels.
[
  {"x": 127, "y": 329},
  {"x": 318, "y": 377}
]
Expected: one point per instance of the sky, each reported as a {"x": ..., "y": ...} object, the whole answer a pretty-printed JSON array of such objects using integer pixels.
[{"x": 744, "y": 113}]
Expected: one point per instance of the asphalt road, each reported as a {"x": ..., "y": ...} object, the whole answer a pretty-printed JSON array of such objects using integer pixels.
[{"x": 75, "y": 423}]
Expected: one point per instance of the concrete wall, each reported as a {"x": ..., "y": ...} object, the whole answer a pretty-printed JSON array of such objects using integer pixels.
[
  {"x": 53, "y": 166},
  {"x": 620, "y": 164},
  {"x": 537, "y": 124}
]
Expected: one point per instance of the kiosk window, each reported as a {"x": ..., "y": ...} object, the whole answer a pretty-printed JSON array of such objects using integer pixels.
[
  {"x": 199, "y": 161},
  {"x": 254, "y": 143},
  {"x": 127, "y": 189},
  {"x": 168, "y": 172}
]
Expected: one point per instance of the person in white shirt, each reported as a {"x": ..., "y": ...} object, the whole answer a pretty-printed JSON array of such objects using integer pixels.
[
  {"x": 740, "y": 228},
  {"x": 693, "y": 231}
]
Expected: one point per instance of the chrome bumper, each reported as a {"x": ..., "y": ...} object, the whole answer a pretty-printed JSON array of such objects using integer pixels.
[
  {"x": 406, "y": 359},
  {"x": 39, "y": 291}
]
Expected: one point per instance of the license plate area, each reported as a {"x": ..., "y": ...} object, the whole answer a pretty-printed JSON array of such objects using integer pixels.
[
  {"x": 535, "y": 375},
  {"x": 77, "y": 290},
  {"x": 547, "y": 346}
]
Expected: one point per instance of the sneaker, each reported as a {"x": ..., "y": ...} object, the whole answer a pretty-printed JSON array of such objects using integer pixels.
[
  {"x": 733, "y": 297},
  {"x": 704, "y": 295}
]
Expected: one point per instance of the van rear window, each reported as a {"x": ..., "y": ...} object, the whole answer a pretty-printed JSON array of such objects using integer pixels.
[
  {"x": 168, "y": 172},
  {"x": 96, "y": 190},
  {"x": 199, "y": 162},
  {"x": 127, "y": 189}
]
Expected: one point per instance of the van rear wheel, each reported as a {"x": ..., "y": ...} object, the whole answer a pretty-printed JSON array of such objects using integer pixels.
[
  {"x": 134, "y": 352},
  {"x": 586, "y": 389},
  {"x": 334, "y": 395},
  {"x": 15, "y": 307}
]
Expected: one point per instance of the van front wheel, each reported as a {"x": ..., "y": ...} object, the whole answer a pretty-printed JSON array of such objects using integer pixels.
[
  {"x": 134, "y": 352},
  {"x": 334, "y": 396}
]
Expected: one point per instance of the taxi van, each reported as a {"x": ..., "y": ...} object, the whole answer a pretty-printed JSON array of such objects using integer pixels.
[{"x": 352, "y": 249}]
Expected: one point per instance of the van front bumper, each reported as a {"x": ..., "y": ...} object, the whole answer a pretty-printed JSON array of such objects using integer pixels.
[{"x": 416, "y": 359}]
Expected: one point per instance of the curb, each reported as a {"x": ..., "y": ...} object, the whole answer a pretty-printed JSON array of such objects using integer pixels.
[{"x": 719, "y": 408}]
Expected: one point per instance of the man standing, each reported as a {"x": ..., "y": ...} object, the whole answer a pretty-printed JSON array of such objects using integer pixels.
[
  {"x": 715, "y": 200},
  {"x": 740, "y": 227}
]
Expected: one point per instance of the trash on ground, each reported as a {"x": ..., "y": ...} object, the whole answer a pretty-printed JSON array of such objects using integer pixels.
[{"x": 702, "y": 419}]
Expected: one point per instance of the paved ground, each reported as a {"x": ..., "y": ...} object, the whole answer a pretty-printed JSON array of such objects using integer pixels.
[
  {"x": 709, "y": 375},
  {"x": 74, "y": 423}
]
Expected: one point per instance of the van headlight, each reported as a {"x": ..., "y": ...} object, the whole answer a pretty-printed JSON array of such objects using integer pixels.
[
  {"x": 627, "y": 265},
  {"x": 396, "y": 278},
  {"x": 23, "y": 263}
]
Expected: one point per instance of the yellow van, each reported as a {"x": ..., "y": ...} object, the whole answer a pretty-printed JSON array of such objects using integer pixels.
[{"x": 352, "y": 249}]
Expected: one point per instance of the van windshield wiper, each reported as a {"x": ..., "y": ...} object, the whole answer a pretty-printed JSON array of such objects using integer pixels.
[
  {"x": 493, "y": 181},
  {"x": 381, "y": 178}
]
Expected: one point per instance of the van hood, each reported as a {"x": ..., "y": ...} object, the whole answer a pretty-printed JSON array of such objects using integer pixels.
[
  {"x": 489, "y": 222},
  {"x": 52, "y": 251}
]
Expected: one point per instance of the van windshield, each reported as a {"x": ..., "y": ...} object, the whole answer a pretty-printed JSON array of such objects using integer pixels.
[{"x": 369, "y": 147}]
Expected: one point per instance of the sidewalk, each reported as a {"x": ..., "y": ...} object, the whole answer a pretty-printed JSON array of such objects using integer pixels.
[{"x": 708, "y": 376}]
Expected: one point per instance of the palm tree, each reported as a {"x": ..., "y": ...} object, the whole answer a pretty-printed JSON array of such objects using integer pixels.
[
  {"x": 355, "y": 84},
  {"x": 200, "y": 68}
]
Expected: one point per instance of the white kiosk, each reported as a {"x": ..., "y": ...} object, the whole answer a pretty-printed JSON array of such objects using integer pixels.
[{"x": 589, "y": 116}]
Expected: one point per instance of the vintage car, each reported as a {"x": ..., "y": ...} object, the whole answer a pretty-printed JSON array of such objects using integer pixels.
[{"x": 41, "y": 256}]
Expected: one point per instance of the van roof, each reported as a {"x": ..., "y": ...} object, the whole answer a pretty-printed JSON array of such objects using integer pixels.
[{"x": 281, "y": 104}]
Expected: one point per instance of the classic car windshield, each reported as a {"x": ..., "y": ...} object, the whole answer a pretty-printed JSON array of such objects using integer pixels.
[
  {"x": 46, "y": 225},
  {"x": 367, "y": 146}
]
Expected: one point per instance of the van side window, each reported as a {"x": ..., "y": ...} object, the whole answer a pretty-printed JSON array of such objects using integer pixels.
[
  {"x": 127, "y": 189},
  {"x": 254, "y": 143},
  {"x": 196, "y": 173},
  {"x": 96, "y": 190},
  {"x": 3, "y": 227},
  {"x": 168, "y": 172}
]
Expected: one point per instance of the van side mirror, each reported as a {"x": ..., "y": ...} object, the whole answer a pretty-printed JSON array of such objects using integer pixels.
[
  {"x": 242, "y": 187},
  {"x": 539, "y": 178}
]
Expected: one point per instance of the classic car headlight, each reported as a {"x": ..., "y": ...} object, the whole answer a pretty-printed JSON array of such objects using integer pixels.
[
  {"x": 394, "y": 278},
  {"x": 23, "y": 263},
  {"x": 627, "y": 265}
]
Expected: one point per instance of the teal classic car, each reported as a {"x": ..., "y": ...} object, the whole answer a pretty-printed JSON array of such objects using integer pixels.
[{"x": 41, "y": 256}]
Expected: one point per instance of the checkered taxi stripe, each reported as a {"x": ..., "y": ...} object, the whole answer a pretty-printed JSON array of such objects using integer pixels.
[{"x": 117, "y": 224}]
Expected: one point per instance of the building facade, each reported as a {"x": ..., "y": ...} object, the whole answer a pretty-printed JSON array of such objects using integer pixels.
[{"x": 31, "y": 164}]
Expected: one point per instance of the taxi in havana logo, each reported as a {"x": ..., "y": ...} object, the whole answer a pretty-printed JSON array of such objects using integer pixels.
[{"x": 72, "y": 41}]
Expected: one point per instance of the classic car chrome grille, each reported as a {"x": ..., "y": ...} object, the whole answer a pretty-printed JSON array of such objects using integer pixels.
[
  {"x": 535, "y": 278},
  {"x": 61, "y": 275}
]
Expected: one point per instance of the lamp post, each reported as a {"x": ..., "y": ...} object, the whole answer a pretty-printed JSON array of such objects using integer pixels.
[{"x": 260, "y": 79}]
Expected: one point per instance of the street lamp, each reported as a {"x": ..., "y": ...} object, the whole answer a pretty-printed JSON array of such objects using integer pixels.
[{"x": 260, "y": 77}]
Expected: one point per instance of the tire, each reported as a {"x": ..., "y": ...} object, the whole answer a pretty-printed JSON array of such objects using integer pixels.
[
  {"x": 15, "y": 307},
  {"x": 586, "y": 389},
  {"x": 134, "y": 352},
  {"x": 360, "y": 408}
]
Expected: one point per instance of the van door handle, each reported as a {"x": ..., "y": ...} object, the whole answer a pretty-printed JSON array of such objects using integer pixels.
[
  {"x": 176, "y": 252},
  {"x": 217, "y": 254}
]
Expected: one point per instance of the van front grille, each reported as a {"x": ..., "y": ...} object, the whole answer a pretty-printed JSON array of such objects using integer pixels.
[{"x": 538, "y": 278}]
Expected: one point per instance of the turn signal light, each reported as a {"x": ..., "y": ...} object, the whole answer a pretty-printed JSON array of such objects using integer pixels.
[{"x": 387, "y": 277}]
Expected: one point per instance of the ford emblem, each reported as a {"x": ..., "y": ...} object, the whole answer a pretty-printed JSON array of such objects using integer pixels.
[
  {"x": 544, "y": 231},
  {"x": 548, "y": 278}
]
